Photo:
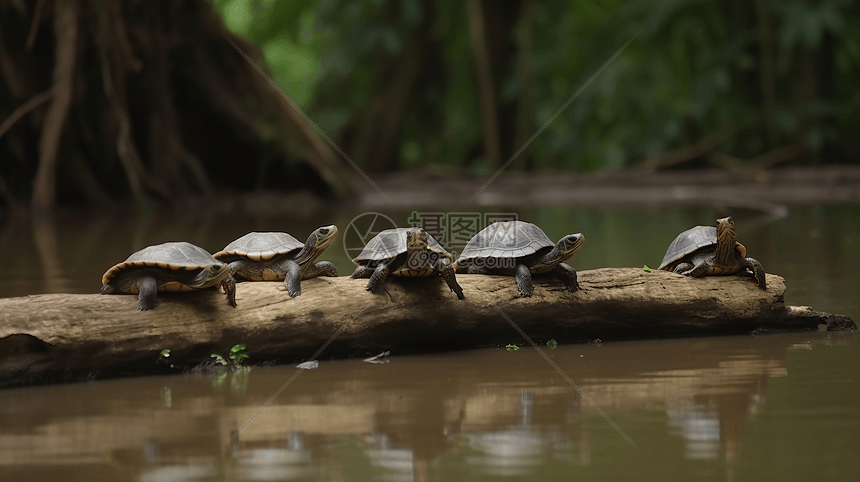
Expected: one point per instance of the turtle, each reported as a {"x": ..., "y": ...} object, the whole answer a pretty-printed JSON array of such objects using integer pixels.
[
  {"x": 175, "y": 266},
  {"x": 709, "y": 251},
  {"x": 407, "y": 252},
  {"x": 520, "y": 249},
  {"x": 279, "y": 256}
]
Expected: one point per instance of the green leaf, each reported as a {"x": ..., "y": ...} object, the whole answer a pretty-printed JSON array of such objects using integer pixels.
[
  {"x": 164, "y": 353},
  {"x": 552, "y": 343},
  {"x": 236, "y": 349},
  {"x": 512, "y": 347},
  {"x": 219, "y": 359},
  {"x": 238, "y": 357},
  {"x": 646, "y": 268}
]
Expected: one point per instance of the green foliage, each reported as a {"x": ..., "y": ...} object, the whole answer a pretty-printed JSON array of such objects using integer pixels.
[
  {"x": 646, "y": 268},
  {"x": 693, "y": 68},
  {"x": 512, "y": 347},
  {"x": 552, "y": 344},
  {"x": 236, "y": 354},
  {"x": 236, "y": 357}
]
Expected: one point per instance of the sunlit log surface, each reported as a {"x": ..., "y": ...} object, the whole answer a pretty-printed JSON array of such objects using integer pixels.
[{"x": 61, "y": 337}]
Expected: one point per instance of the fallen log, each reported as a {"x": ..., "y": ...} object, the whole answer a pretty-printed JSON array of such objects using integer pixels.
[{"x": 64, "y": 337}]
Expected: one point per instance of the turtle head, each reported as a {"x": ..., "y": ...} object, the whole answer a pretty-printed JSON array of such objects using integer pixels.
[
  {"x": 728, "y": 221},
  {"x": 726, "y": 240},
  {"x": 209, "y": 275},
  {"x": 416, "y": 240},
  {"x": 725, "y": 227},
  {"x": 322, "y": 237},
  {"x": 318, "y": 241},
  {"x": 570, "y": 244}
]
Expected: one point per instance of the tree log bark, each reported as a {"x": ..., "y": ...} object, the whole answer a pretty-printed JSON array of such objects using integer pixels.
[{"x": 64, "y": 337}]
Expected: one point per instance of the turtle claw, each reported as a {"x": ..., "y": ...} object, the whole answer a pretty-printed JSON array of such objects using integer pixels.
[
  {"x": 294, "y": 291},
  {"x": 377, "y": 279},
  {"x": 229, "y": 287},
  {"x": 524, "y": 281},
  {"x": 293, "y": 279}
]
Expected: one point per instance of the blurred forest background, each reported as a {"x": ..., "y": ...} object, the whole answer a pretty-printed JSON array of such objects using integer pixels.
[{"x": 102, "y": 101}]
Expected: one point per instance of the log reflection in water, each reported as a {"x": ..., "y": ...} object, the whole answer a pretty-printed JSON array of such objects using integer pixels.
[{"x": 496, "y": 412}]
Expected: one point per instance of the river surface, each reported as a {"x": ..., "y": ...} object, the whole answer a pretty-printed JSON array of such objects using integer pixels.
[{"x": 776, "y": 407}]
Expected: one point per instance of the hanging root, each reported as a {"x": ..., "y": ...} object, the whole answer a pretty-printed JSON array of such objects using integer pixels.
[{"x": 66, "y": 31}]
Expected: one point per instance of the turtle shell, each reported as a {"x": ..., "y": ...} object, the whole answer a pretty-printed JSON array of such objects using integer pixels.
[
  {"x": 506, "y": 239},
  {"x": 261, "y": 246},
  {"x": 392, "y": 242},
  {"x": 690, "y": 241},
  {"x": 166, "y": 256}
]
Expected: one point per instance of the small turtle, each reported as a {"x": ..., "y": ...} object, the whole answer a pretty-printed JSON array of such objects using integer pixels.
[
  {"x": 519, "y": 249},
  {"x": 709, "y": 251},
  {"x": 408, "y": 252},
  {"x": 168, "y": 267},
  {"x": 279, "y": 256}
]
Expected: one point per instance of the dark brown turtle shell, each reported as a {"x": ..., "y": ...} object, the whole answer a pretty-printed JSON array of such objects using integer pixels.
[
  {"x": 690, "y": 241},
  {"x": 506, "y": 239}
]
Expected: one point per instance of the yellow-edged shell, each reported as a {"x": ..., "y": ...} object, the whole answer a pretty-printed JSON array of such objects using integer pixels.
[
  {"x": 167, "y": 256},
  {"x": 261, "y": 246}
]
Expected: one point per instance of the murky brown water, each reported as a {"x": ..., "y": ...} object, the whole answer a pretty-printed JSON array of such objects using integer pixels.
[
  {"x": 726, "y": 408},
  {"x": 779, "y": 407}
]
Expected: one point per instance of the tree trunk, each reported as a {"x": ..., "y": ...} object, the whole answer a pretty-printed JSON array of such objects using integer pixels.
[{"x": 59, "y": 337}]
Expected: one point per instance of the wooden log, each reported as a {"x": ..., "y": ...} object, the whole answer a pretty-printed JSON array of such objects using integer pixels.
[{"x": 64, "y": 337}]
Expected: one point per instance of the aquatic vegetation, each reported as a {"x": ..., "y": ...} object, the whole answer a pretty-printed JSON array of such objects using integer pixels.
[{"x": 236, "y": 357}]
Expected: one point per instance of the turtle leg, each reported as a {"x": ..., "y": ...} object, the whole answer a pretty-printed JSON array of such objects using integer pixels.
[
  {"x": 377, "y": 279},
  {"x": 568, "y": 275},
  {"x": 757, "y": 270},
  {"x": 446, "y": 270},
  {"x": 472, "y": 269},
  {"x": 524, "y": 281},
  {"x": 682, "y": 268},
  {"x": 229, "y": 286},
  {"x": 293, "y": 280},
  {"x": 698, "y": 271},
  {"x": 243, "y": 269},
  {"x": 361, "y": 272},
  {"x": 147, "y": 288},
  {"x": 320, "y": 268}
]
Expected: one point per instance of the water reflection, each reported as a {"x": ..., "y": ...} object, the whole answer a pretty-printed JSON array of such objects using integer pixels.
[
  {"x": 699, "y": 426},
  {"x": 517, "y": 450},
  {"x": 295, "y": 461},
  {"x": 470, "y": 414},
  {"x": 397, "y": 464}
]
